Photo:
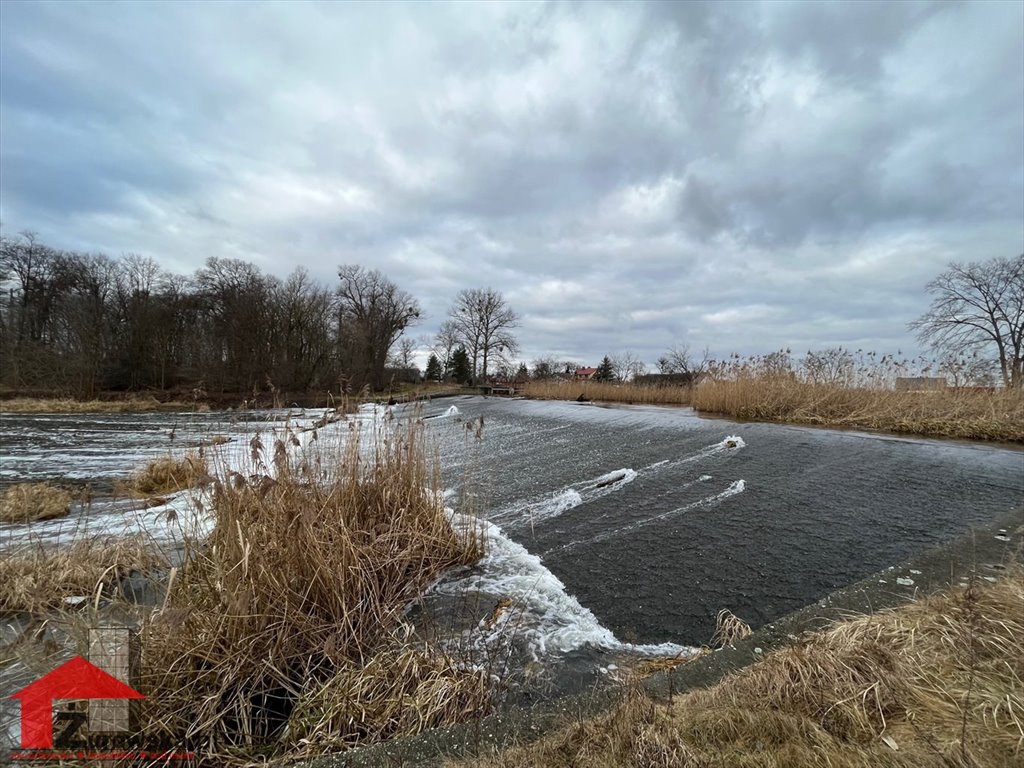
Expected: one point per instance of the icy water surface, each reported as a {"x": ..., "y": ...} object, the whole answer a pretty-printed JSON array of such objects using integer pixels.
[{"x": 612, "y": 530}]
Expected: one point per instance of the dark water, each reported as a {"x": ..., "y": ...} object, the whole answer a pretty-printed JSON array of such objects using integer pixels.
[{"x": 655, "y": 558}]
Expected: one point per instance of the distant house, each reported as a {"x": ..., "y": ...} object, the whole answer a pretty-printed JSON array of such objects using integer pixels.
[
  {"x": 920, "y": 383},
  {"x": 584, "y": 373}
]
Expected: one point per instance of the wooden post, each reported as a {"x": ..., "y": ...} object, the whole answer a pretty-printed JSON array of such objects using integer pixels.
[{"x": 115, "y": 650}]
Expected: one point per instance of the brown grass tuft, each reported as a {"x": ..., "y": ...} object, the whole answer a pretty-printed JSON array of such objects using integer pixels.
[
  {"x": 938, "y": 682},
  {"x": 287, "y": 623},
  {"x": 396, "y": 692},
  {"x": 168, "y": 475},
  {"x": 39, "y": 578},
  {"x": 28, "y": 502},
  {"x": 729, "y": 628}
]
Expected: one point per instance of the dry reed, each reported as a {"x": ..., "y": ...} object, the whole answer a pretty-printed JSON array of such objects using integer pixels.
[
  {"x": 284, "y": 631},
  {"x": 729, "y": 628},
  {"x": 966, "y": 413},
  {"x": 28, "y": 502},
  {"x": 960, "y": 413},
  {"x": 938, "y": 682},
  {"x": 68, "y": 405},
  {"x": 38, "y": 578},
  {"x": 168, "y": 475},
  {"x": 607, "y": 391}
]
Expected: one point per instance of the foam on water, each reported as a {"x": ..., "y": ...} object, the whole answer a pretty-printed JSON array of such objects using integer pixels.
[
  {"x": 552, "y": 505},
  {"x": 734, "y": 488},
  {"x": 550, "y": 620}
]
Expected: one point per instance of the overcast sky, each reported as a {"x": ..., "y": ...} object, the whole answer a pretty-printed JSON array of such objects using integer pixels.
[{"x": 746, "y": 177}]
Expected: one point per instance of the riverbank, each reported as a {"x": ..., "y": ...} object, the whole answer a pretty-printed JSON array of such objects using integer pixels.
[
  {"x": 927, "y": 592},
  {"x": 174, "y": 402},
  {"x": 283, "y": 632},
  {"x": 965, "y": 414},
  {"x": 68, "y": 405},
  {"x": 936, "y": 682}
]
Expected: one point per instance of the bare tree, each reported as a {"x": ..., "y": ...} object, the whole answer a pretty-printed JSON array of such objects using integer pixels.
[
  {"x": 628, "y": 366},
  {"x": 373, "y": 313},
  {"x": 445, "y": 344},
  {"x": 545, "y": 368},
  {"x": 404, "y": 354},
  {"x": 679, "y": 361},
  {"x": 484, "y": 323},
  {"x": 977, "y": 307}
]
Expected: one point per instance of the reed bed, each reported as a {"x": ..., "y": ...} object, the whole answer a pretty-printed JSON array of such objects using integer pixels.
[
  {"x": 284, "y": 634},
  {"x": 938, "y": 682},
  {"x": 39, "y": 578},
  {"x": 607, "y": 391},
  {"x": 747, "y": 393},
  {"x": 29, "y": 502},
  {"x": 960, "y": 413}
]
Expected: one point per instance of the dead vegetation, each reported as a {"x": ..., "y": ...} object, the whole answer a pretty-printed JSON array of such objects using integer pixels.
[
  {"x": 68, "y": 405},
  {"x": 729, "y": 628},
  {"x": 607, "y": 391},
  {"x": 966, "y": 413},
  {"x": 960, "y": 413},
  {"x": 284, "y": 631},
  {"x": 938, "y": 682},
  {"x": 29, "y": 502},
  {"x": 39, "y": 578},
  {"x": 168, "y": 474}
]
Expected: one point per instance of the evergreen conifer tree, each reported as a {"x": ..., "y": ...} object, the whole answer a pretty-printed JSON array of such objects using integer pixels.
[
  {"x": 605, "y": 371},
  {"x": 434, "y": 372},
  {"x": 460, "y": 366}
]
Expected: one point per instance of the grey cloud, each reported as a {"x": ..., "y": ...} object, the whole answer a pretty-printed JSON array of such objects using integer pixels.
[{"x": 623, "y": 172}]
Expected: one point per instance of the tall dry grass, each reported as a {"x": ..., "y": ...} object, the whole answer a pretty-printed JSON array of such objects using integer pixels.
[
  {"x": 38, "y": 578},
  {"x": 68, "y": 405},
  {"x": 29, "y": 502},
  {"x": 284, "y": 631},
  {"x": 168, "y": 474},
  {"x": 773, "y": 388},
  {"x": 607, "y": 391},
  {"x": 961, "y": 413},
  {"x": 939, "y": 682}
]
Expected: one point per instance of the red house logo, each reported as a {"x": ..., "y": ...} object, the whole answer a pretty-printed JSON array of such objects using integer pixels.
[{"x": 75, "y": 679}]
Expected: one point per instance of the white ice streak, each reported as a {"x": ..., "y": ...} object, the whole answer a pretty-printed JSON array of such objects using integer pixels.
[
  {"x": 183, "y": 516},
  {"x": 548, "y": 618},
  {"x": 549, "y": 506},
  {"x": 734, "y": 488}
]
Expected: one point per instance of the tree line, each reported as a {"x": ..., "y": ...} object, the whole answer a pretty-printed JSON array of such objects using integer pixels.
[{"x": 81, "y": 323}]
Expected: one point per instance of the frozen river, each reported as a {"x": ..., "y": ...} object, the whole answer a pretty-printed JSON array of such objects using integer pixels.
[{"x": 612, "y": 529}]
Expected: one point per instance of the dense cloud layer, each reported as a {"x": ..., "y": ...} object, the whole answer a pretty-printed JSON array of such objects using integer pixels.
[{"x": 747, "y": 177}]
